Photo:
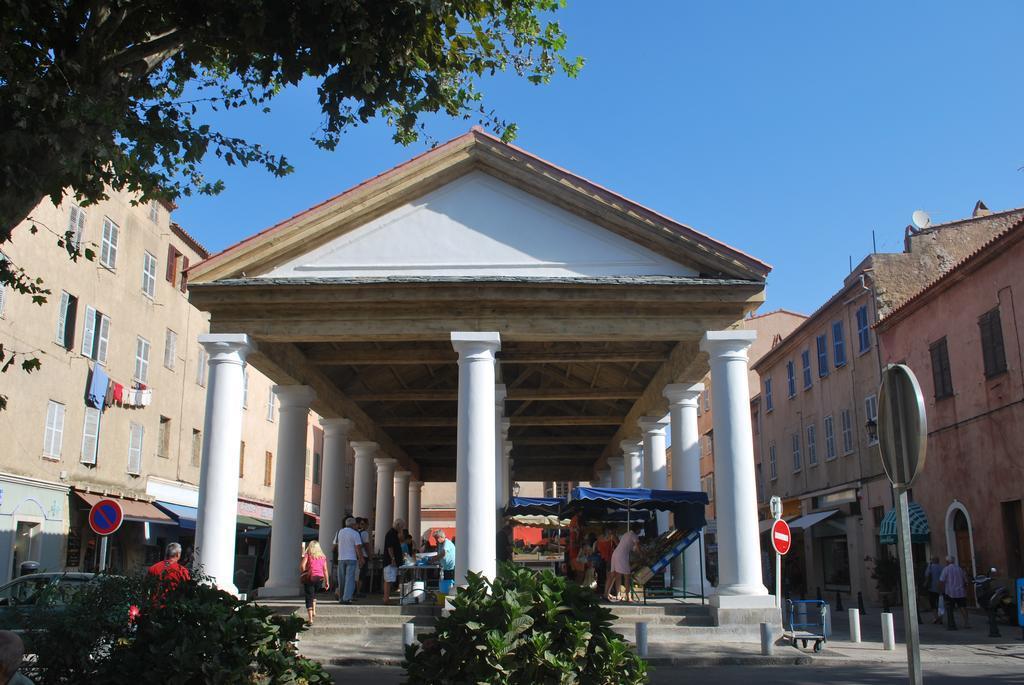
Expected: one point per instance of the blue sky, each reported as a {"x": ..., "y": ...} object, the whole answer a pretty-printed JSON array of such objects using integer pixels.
[{"x": 789, "y": 130}]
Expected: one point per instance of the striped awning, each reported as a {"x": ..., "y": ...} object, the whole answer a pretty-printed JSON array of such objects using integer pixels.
[{"x": 919, "y": 530}]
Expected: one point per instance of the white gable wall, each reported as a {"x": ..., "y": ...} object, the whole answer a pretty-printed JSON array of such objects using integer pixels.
[{"x": 478, "y": 225}]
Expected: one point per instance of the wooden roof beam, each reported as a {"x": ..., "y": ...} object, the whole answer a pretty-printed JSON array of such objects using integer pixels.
[
  {"x": 518, "y": 394},
  {"x": 517, "y": 442},
  {"x": 329, "y": 357},
  {"x": 517, "y": 421}
]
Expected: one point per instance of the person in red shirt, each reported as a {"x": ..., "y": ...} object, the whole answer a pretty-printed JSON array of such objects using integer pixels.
[{"x": 169, "y": 570}]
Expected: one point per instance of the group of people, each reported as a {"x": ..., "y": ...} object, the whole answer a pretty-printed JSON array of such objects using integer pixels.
[
  {"x": 350, "y": 551},
  {"x": 604, "y": 561},
  {"x": 948, "y": 583}
]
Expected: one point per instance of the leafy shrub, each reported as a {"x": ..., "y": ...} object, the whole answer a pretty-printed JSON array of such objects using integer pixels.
[
  {"x": 119, "y": 630},
  {"x": 524, "y": 628}
]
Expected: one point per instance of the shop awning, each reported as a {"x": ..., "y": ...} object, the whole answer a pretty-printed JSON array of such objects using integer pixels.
[
  {"x": 538, "y": 506},
  {"x": 539, "y": 521},
  {"x": 264, "y": 533},
  {"x": 186, "y": 516},
  {"x": 919, "y": 529},
  {"x": 133, "y": 509},
  {"x": 808, "y": 520},
  {"x": 687, "y": 507}
]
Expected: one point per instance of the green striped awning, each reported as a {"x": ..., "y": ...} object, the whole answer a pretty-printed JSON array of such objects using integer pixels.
[{"x": 919, "y": 530}]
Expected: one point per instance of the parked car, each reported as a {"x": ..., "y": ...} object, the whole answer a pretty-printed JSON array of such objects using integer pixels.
[{"x": 19, "y": 598}]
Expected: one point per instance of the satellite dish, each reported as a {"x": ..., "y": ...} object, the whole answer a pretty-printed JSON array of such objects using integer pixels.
[{"x": 921, "y": 219}]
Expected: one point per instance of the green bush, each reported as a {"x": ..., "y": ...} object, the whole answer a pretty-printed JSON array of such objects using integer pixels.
[
  {"x": 524, "y": 628},
  {"x": 119, "y": 630}
]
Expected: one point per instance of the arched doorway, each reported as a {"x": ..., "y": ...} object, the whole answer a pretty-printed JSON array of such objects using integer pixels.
[{"x": 960, "y": 536}]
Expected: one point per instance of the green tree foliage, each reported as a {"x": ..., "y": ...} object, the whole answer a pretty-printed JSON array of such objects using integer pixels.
[
  {"x": 123, "y": 631},
  {"x": 524, "y": 628},
  {"x": 98, "y": 94}
]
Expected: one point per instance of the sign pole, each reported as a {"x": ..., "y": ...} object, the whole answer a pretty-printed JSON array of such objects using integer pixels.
[
  {"x": 907, "y": 587},
  {"x": 778, "y": 580},
  {"x": 103, "y": 553}
]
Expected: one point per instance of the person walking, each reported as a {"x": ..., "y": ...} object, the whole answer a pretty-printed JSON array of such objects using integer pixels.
[
  {"x": 629, "y": 543},
  {"x": 313, "y": 572},
  {"x": 445, "y": 555},
  {"x": 953, "y": 584},
  {"x": 605, "y": 547},
  {"x": 931, "y": 585},
  {"x": 393, "y": 558},
  {"x": 350, "y": 559}
]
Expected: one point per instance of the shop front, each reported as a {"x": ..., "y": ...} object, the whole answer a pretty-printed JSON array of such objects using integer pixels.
[
  {"x": 136, "y": 545},
  {"x": 33, "y": 525}
]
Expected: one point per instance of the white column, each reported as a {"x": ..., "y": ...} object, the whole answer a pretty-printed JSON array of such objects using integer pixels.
[
  {"x": 385, "y": 514},
  {"x": 289, "y": 490},
  {"x": 415, "y": 511},
  {"x": 604, "y": 478},
  {"x": 655, "y": 465},
  {"x": 475, "y": 509},
  {"x": 683, "y": 400},
  {"x": 402, "y": 496},
  {"x": 739, "y": 545},
  {"x": 617, "y": 476},
  {"x": 500, "y": 485},
  {"x": 363, "y": 478},
  {"x": 332, "y": 489},
  {"x": 217, "y": 520},
  {"x": 633, "y": 463}
]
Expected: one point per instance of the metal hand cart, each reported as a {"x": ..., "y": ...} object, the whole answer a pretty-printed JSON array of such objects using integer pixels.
[{"x": 808, "y": 621}]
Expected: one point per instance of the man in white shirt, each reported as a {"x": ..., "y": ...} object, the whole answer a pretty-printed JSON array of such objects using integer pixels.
[{"x": 349, "y": 547}]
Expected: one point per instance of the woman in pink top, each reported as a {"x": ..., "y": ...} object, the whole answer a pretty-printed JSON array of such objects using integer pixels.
[
  {"x": 629, "y": 543},
  {"x": 314, "y": 576}
]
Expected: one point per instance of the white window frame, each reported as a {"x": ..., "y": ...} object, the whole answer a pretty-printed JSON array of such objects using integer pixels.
[
  {"x": 53, "y": 430},
  {"x": 95, "y": 342},
  {"x": 847, "y": 427},
  {"x": 798, "y": 459},
  {"x": 773, "y": 464},
  {"x": 76, "y": 225},
  {"x": 812, "y": 445},
  {"x": 170, "y": 349},
  {"x": 271, "y": 399},
  {"x": 830, "y": 438},
  {"x": 154, "y": 212},
  {"x": 136, "y": 443},
  {"x": 142, "y": 350},
  {"x": 148, "y": 275},
  {"x": 108, "y": 244},
  {"x": 871, "y": 414},
  {"x": 91, "y": 435}
]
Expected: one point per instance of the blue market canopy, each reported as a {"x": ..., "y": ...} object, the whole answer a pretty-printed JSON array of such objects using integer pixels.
[
  {"x": 688, "y": 507},
  {"x": 919, "y": 530},
  {"x": 534, "y": 506}
]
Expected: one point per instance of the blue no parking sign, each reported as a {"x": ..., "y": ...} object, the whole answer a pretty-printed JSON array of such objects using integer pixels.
[{"x": 105, "y": 517}]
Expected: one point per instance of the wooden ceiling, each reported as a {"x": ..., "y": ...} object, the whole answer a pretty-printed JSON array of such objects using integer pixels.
[{"x": 565, "y": 403}]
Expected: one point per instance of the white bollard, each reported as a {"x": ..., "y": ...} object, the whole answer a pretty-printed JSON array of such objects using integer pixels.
[
  {"x": 641, "y": 638},
  {"x": 767, "y": 639},
  {"x": 408, "y": 633},
  {"x": 888, "y": 633},
  {"x": 854, "y": 624}
]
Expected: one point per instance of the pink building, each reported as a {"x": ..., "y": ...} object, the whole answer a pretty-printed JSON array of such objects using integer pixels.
[{"x": 961, "y": 335}]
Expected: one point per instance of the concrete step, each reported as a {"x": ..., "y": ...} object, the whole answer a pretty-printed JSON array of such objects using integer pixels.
[
  {"x": 669, "y": 635},
  {"x": 343, "y": 621},
  {"x": 662, "y": 620}
]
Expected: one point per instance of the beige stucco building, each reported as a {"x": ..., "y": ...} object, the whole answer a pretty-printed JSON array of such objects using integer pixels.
[{"x": 127, "y": 313}]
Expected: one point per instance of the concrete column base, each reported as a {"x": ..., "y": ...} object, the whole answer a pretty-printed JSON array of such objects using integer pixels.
[
  {"x": 746, "y": 616},
  {"x": 269, "y": 591}
]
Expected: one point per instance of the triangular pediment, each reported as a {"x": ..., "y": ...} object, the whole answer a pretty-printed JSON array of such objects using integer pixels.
[
  {"x": 476, "y": 206},
  {"x": 478, "y": 225}
]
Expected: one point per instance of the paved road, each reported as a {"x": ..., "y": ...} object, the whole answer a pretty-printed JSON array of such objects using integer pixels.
[{"x": 1009, "y": 673}]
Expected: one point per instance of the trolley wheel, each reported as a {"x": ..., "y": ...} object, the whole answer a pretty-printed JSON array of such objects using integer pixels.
[{"x": 817, "y": 646}]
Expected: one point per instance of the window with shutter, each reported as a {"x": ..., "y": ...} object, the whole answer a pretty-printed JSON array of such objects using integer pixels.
[
  {"x": 197, "y": 447},
  {"x": 812, "y": 445},
  {"x": 76, "y": 226},
  {"x": 797, "y": 459},
  {"x": 863, "y": 330},
  {"x": 270, "y": 403},
  {"x": 791, "y": 378},
  {"x": 830, "y": 439},
  {"x": 942, "y": 378},
  {"x": 62, "y": 318},
  {"x": 805, "y": 363},
  {"x": 90, "y": 436},
  {"x": 53, "y": 437},
  {"x": 847, "y": 426},
  {"x": 172, "y": 265},
  {"x": 773, "y": 466},
  {"x": 89, "y": 333},
  {"x": 148, "y": 275},
  {"x": 141, "y": 360},
  {"x": 170, "y": 348},
  {"x": 201, "y": 363},
  {"x": 992, "y": 350},
  {"x": 768, "y": 406},
  {"x": 838, "y": 344},
  {"x": 184, "y": 273},
  {"x": 103, "y": 337},
  {"x": 135, "y": 440},
  {"x": 822, "y": 345},
  {"x": 163, "y": 438},
  {"x": 108, "y": 245}
]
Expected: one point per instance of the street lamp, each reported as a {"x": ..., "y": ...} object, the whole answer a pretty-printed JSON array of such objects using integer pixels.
[{"x": 872, "y": 427}]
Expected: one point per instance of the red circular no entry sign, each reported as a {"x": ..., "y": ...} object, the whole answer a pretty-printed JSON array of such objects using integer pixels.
[
  {"x": 781, "y": 537},
  {"x": 105, "y": 517}
]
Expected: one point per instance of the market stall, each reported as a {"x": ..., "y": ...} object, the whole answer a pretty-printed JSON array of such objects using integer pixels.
[
  {"x": 658, "y": 551},
  {"x": 537, "y": 514}
]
